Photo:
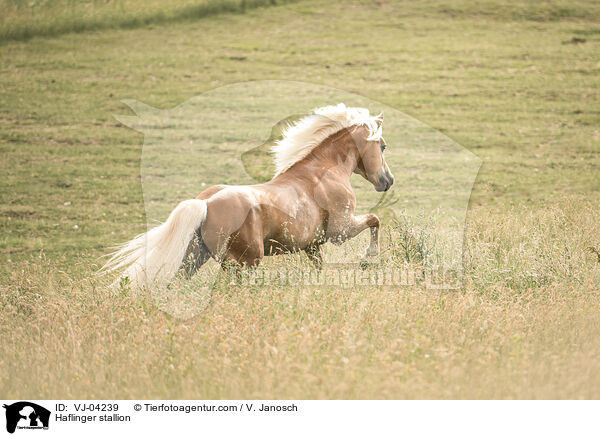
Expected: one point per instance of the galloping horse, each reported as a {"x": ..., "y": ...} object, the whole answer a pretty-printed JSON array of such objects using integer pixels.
[{"x": 308, "y": 202}]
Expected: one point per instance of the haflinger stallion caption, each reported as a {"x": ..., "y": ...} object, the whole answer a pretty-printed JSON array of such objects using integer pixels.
[
  {"x": 302, "y": 417},
  {"x": 66, "y": 417},
  {"x": 111, "y": 412}
]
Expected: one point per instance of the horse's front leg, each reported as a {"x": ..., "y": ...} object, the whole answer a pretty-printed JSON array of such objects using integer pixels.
[
  {"x": 357, "y": 224},
  {"x": 374, "y": 224},
  {"x": 373, "y": 248}
]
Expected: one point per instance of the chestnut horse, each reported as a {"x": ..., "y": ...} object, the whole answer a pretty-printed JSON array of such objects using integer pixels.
[{"x": 309, "y": 201}]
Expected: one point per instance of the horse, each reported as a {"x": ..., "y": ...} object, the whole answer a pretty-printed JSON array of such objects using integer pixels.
[{"x": 307, "y": 203}]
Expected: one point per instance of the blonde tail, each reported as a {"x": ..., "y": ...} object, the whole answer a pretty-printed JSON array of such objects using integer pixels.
[{"x": 153, "y": 258}]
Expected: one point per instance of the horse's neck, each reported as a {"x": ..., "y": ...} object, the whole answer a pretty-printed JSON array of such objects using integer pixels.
[
  {"x": 336, "y": 156},
  {"x": 337, "y": 153}
]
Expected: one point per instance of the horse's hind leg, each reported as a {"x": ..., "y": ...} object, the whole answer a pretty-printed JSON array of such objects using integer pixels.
[
  {"x": 197, "y": 254},
  {"x": 315, "y": 254},
  {"x": 241, "y": 256}
]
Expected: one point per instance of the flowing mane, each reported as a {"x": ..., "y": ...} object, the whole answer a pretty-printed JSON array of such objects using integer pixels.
[{"x": 301, "y": 137}]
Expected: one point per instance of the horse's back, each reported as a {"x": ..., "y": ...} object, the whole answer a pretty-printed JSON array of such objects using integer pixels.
[{"x": 209, "y": 192}]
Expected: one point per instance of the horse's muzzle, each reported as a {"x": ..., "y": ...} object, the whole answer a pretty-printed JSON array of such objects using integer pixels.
[{"x": 385, "y": 182}]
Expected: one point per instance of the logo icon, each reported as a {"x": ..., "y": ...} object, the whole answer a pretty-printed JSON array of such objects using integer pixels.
[{"x": 26, "y": 415}]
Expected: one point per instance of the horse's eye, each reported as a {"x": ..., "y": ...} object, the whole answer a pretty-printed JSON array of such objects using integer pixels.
[{"x": 382, "y": 148}]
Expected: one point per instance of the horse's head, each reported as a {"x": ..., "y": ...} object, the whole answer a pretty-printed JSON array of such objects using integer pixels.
[{"x": 371, "y": 162}]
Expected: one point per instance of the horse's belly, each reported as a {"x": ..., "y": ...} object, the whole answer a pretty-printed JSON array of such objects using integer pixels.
[{"x": 293, "y": 235}]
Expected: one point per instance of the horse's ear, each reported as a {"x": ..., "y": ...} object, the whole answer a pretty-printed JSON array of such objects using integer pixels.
[{"x": 380, "y": 119}]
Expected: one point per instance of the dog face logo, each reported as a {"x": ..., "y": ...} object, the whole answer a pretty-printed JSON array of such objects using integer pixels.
[{"x": 26, "y": 415}]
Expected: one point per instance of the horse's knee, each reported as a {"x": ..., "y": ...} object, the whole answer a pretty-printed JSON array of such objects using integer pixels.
[
  {"x": 244, "y": 253},
  {"x": 252, "y": 257},
  {"x": 373, "y": 220}
]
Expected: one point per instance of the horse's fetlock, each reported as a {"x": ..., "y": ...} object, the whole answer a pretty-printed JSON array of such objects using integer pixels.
[{"x": 372, "y": 251}]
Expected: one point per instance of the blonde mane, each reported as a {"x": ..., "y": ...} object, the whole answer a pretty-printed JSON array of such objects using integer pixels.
[{"x": 301, "y": 137}]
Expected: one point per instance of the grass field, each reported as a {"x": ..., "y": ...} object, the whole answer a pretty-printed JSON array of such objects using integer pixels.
[
  {"x": 24, "y": 20},
  {"x": 516, "y": 83}
]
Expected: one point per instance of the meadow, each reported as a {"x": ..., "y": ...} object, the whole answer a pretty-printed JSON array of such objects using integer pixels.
[{"x": 514, "y": 82}]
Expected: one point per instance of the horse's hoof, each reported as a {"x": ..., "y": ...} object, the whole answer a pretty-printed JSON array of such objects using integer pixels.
[
  {"x": 372, "y": 252},
  {"x": 364, "y": 264}
]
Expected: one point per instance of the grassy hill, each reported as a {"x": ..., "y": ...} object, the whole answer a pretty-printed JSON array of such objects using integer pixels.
[{"x": 24, "y": 20}]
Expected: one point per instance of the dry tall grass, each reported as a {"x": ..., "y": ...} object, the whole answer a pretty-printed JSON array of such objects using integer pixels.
[{"x": 525, "y": 325}]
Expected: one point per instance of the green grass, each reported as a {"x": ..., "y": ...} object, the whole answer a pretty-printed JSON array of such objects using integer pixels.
[
  {"x": 24, "y": 20},
  {"x": 507, "y": 81}
]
